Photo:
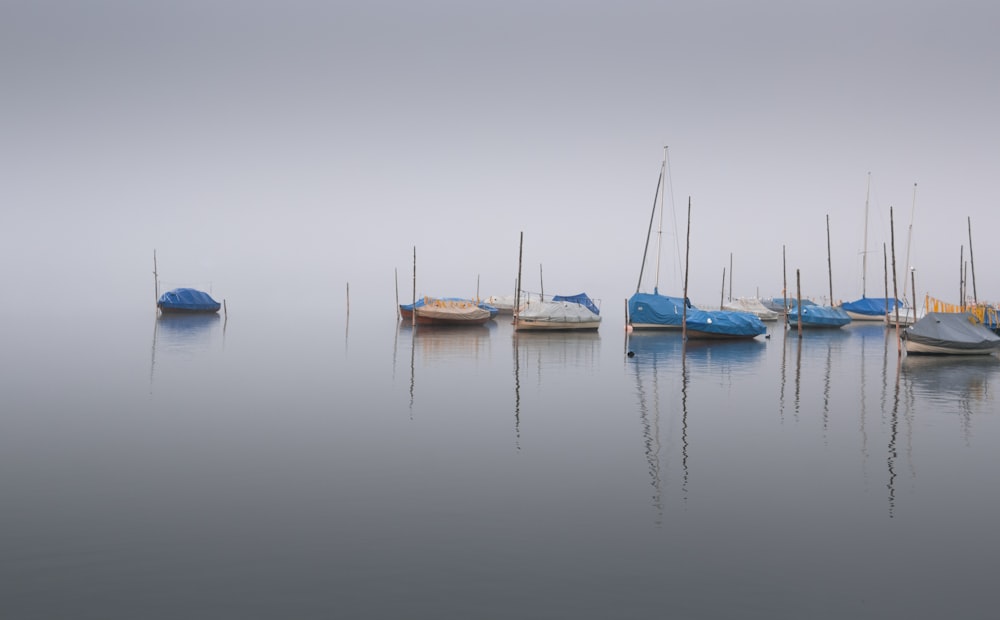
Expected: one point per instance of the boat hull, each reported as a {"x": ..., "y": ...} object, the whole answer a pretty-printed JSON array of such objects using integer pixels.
[
  {"x": 923, "y": 348},
  {"x": 552, "y": 326}
]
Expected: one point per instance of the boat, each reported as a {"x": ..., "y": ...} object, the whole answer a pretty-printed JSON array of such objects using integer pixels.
[
  {"x": 653, "y": 310},
  {"x": 815, "y": 315},
  {"x": 780, "y": 304},
  {"x": 752, "y": 305},
  {"x": 872, "y": 308},
  {"x": 723, "y": 324},
  {"x": 656, "y": 311},
  {"x": 505, "y": 303},
  {"x": 445, "y": 311},
  {"x": 562, "y": 312},
  {"x": 869, "y": 308},
  {"x": 187, "y": 301},
  {"x": 950, "y": 333}
]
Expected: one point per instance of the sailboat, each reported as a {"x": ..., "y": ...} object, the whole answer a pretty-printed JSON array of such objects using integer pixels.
[
  {"x": 653, "y": 310},
  {"x": 869, "y": 308},
  {"x": 815, "y": 315},
  {"x": 656, "y": 311}
]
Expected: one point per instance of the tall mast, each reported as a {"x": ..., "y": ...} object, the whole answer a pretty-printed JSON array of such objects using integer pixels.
[
  {"x": 864, "y": 248},
  {"x": 649, "y": 230},
  {"x": 829, "y": 261}
]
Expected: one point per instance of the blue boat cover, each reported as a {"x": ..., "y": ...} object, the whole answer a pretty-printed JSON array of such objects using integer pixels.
[
  {"x": 725, "y": 323},
  {"x": 817, "y": 316},
  {"x": 871, "y": 306},
  {"x": 656, "y": 309},
  {"x": 581, "y": 299},
  {"x": 188, "y": 300}
]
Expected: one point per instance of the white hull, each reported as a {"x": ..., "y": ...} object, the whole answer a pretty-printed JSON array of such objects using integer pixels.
[
  {"x": 873, "y": 318},
  {"x": 525, "y": 325},
  {"x": 917, "y": 347}
]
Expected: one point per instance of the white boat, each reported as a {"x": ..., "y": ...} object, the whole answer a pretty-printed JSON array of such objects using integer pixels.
[
  {"x": 576, "y": 312},
  {"x": 505, "y": 303},
  {"x": 753, "y": 306}
]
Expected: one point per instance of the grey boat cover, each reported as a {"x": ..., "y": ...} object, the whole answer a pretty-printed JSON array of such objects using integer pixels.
[{"x": 955, "y": 330}]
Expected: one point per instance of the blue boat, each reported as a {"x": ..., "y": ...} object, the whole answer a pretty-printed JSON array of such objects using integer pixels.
[
  {"x": 655, "y": 311},
  {"x": 817, "y": 316},
  {"x": 871, "y": 308},
  {"x": 723, "y": 324},
  {"x": 187, "y": 301}
]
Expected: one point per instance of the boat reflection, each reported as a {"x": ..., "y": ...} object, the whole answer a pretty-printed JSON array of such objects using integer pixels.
[
  {"x": 183, "y": 335},
  {"x": 544, "y": 351},
  {"x": 442, "y": 346},
  {"x": 663, "y": 364},
  {"x": 464, "y": 342},
  {"x": 185, "y": 331},
  {"x": 948, "y": 379},
  {"x": 664, "y": 348}
]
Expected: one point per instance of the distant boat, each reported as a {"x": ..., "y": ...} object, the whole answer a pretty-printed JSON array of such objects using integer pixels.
[
  {"x": 869, "y": 308},
  {"x": 447, "y": 311},
  {"x": 569, "y": 312},
  {"x": 753, "y": 306},
  {"x": 814, "y": 315},
  {"x": 505, "y": 303},
  {"x": 187, "y": 301},
  {"x": 949, "y": 333},
  {"x": 872, "y": 308}
]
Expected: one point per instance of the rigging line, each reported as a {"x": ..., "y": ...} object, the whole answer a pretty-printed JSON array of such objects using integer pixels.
[{"x": 673, "y": 209}]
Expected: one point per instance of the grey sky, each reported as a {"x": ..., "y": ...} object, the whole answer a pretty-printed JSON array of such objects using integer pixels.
[{"x": 302, "y": 145}]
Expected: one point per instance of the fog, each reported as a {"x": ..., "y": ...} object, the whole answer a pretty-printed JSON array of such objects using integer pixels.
[{"x": 296, "y": 149}]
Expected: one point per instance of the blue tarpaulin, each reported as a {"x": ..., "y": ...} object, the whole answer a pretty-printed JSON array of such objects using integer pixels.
[
  {"x": 872, "y": 306},
  {"x": 581, "y": 299},
  {"x": 187, "y": 300},
  {"x": 655, "y": 310},
  {"x": 817, "y": 316}
]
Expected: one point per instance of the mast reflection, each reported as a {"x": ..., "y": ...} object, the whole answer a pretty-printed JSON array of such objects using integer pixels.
[{"x": 663, "y": 364}]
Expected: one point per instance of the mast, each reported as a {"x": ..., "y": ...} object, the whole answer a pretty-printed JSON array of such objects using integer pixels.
[
  {"x": 156, "y": 277},
  {"x": 864, "y": 248},
  {"x": 972, "y": 263},
  {"x": 687, "y": 254},
  {"x": 909, "y": 237},
  {"x": 829, "y": 262},
  {"x": 649, "y": 230}
]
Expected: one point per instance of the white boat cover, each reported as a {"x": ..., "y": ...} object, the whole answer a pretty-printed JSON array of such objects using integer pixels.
[
  {"x": 753, "y": 306},
  {"x": 557, "y": 312},
  {"x": 505, "y": 303}
]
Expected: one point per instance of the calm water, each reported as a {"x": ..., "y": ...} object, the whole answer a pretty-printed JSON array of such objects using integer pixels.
[{"x": 315, "y": 468}]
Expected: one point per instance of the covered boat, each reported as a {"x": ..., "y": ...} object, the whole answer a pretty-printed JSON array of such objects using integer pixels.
[
  {"x": 505, "y": 303},
  {"x": 563, "y": 312},
  {"x": 871, "y": 308},
  {"x": 436, "y": 311},
  {"x": 753, "y": 306},
  {"x": 406, "y": 310},
  {"x": 187, "y": 301},
  {"x": 723, "y": 324},
  {"x": 655, "y": 311},
  {"x": 814, "y": 315},
  {"x": 950, "y": 333}
]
